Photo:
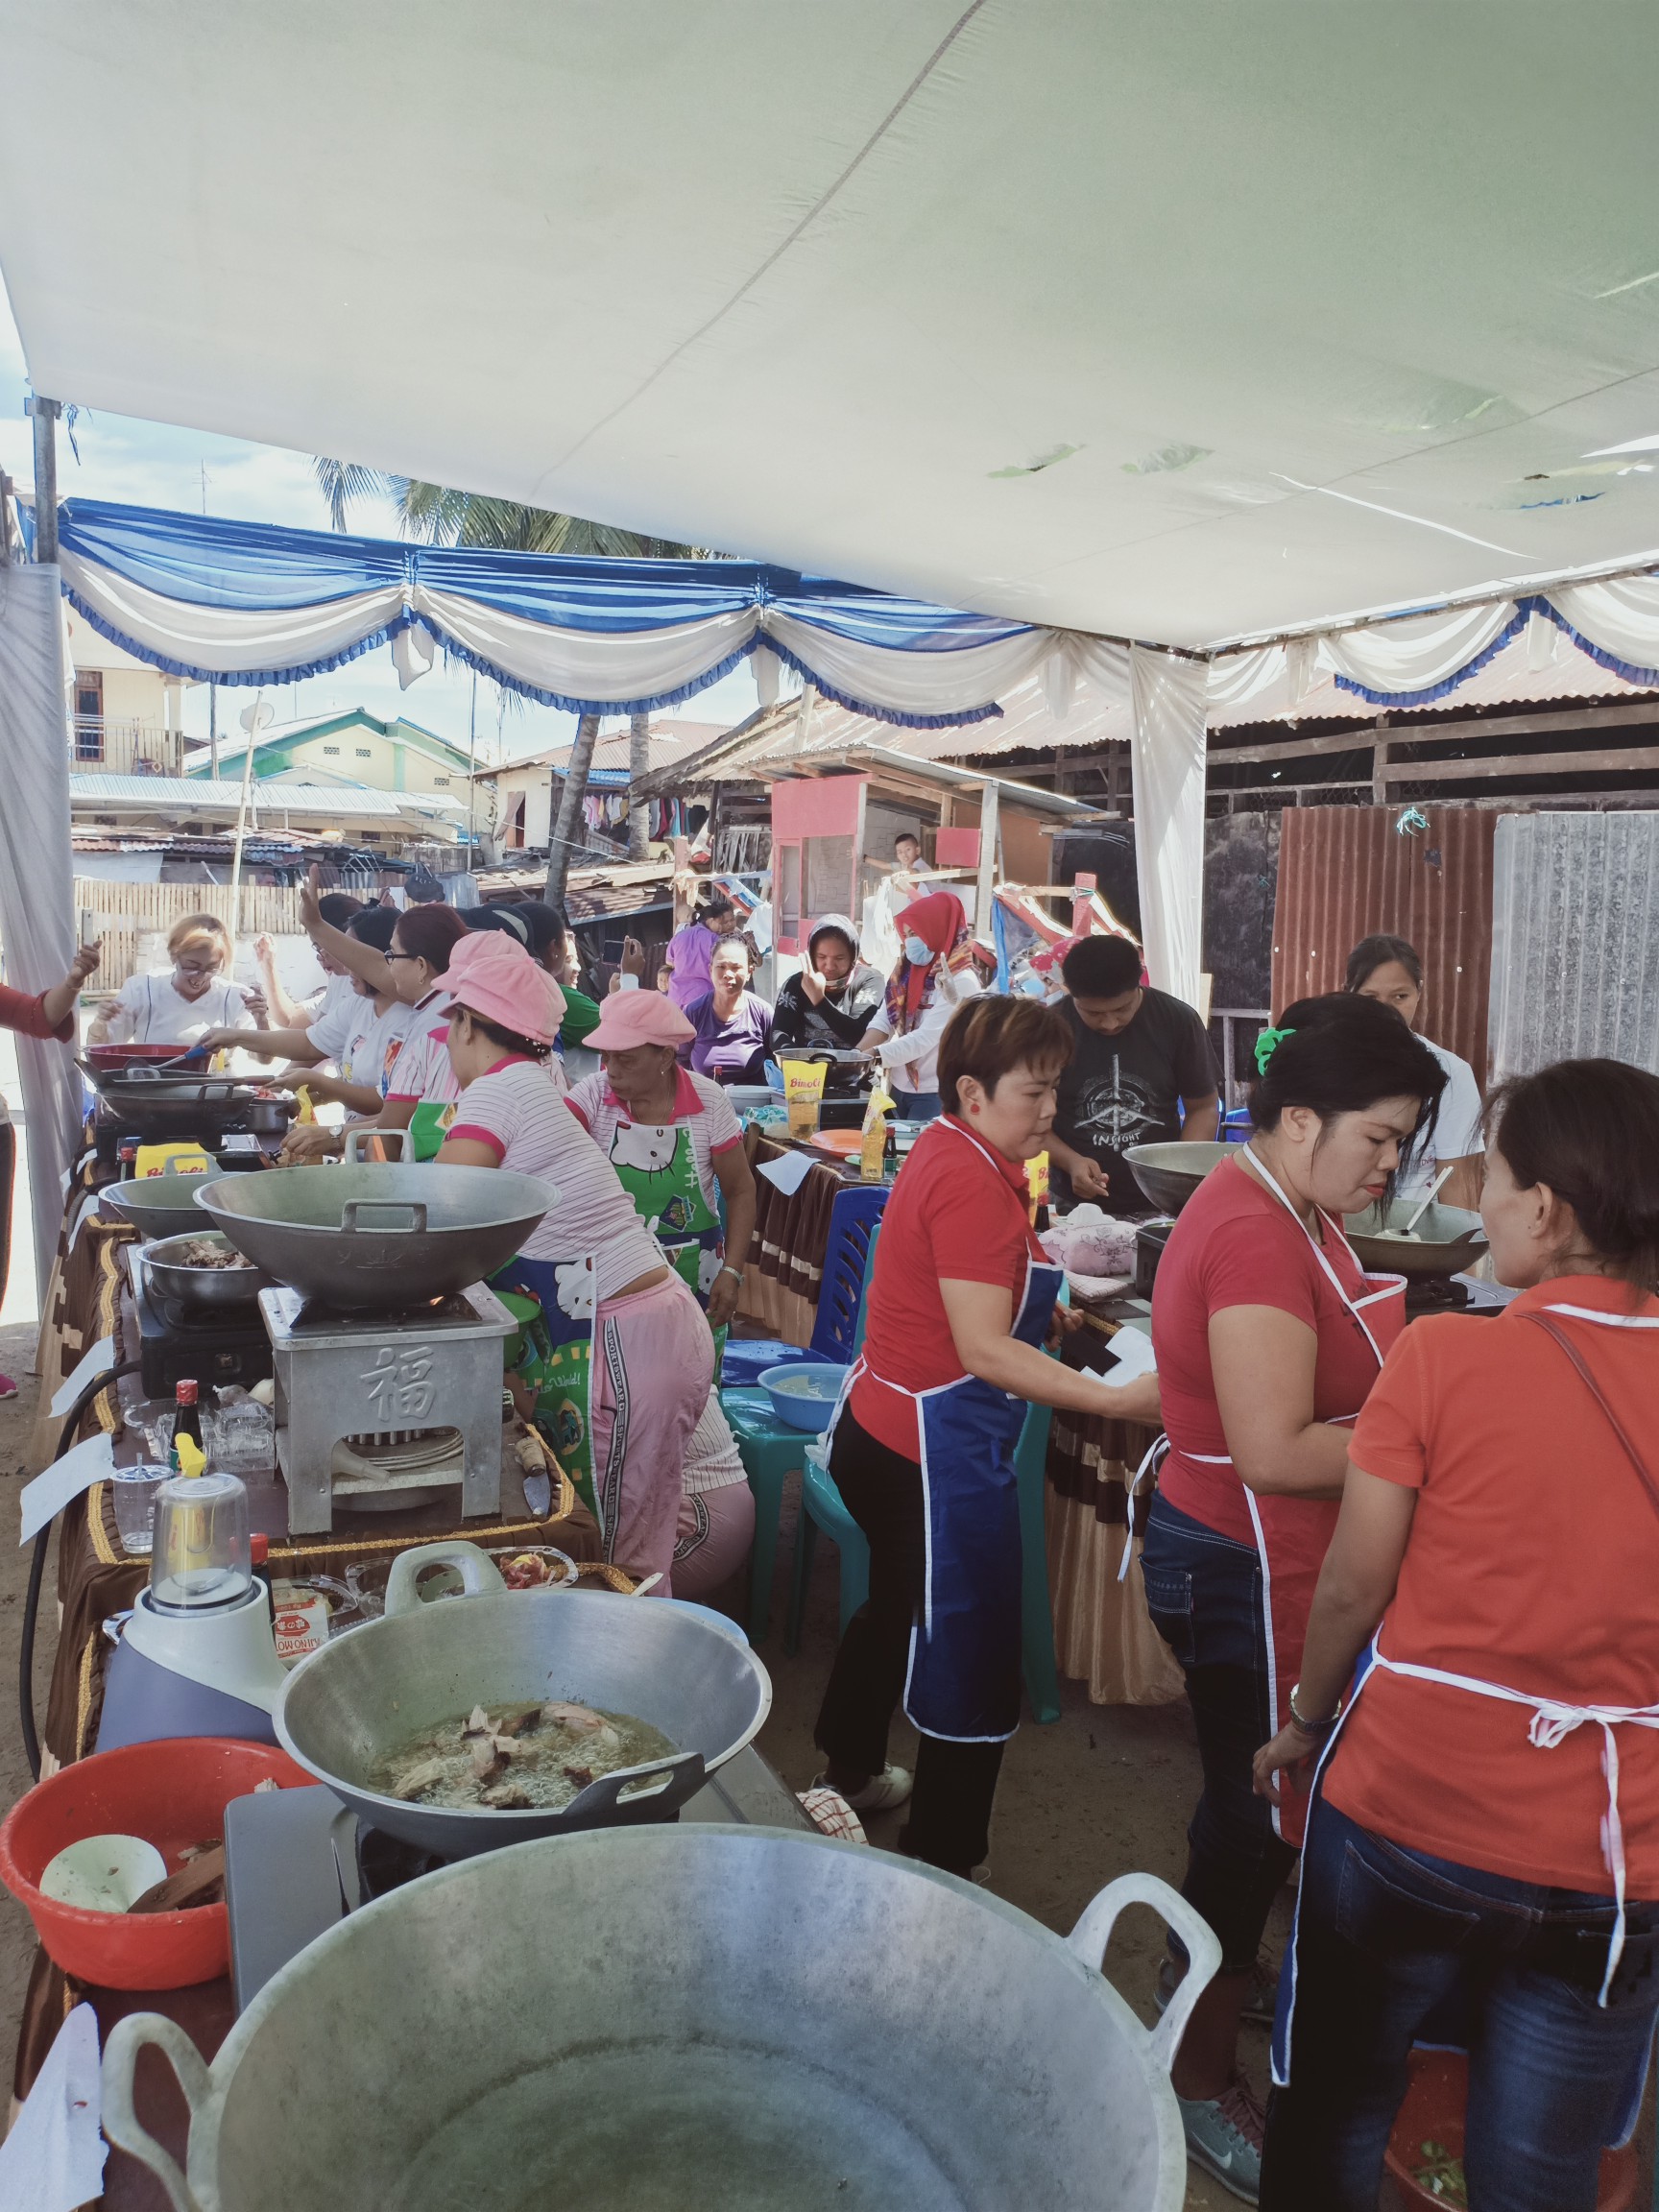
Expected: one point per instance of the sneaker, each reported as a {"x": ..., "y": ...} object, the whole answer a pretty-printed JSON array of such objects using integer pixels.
[
  {"x": 8, "y": 1389},
  {"x": 879, "y": 1794},
  {"x": 1260, "y": 2005},
  {"x": 1224, "y": 2136}
]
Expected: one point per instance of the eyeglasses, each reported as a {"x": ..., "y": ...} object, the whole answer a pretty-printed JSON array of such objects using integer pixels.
[{"x": 406, "y": 955}]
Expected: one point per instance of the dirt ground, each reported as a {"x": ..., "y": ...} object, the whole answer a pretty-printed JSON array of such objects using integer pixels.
[{"x": 1101, "y": 1791}]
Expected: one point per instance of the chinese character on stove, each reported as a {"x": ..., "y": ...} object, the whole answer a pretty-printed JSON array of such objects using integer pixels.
[{"x": 397, "y": 1388}]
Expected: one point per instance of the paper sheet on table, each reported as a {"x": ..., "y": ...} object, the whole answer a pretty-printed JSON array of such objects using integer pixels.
[
  {"x": 97, "y": 1359},
  {"x": 85, "y": 1206},
  {"x": 53, "y": 2160},
  {"x": 1132, "y": 1351},
  {"x": 89, "y": 1462},
  {"x": 788, "y": 1171}
]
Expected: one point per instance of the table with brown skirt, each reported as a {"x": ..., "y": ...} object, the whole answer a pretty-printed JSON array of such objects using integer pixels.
[{"x": 785, "y": 1267}]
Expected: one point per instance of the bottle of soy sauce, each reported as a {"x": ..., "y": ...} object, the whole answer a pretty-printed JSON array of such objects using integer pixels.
[{"x": 188, "y": 1411}]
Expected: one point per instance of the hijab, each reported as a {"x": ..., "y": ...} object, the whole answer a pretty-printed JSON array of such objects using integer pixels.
[{"x": 941, "y": 924}]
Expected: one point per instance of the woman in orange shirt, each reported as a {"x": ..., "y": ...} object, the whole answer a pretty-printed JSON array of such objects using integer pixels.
[{"x": 1486, "y": 1829}]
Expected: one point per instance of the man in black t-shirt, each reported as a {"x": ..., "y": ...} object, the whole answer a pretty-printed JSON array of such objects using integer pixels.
[{"x": 1136, "y": 1054}]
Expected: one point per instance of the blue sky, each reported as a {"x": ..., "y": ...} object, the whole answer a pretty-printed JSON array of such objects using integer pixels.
[{"x": 159, "y": 465}]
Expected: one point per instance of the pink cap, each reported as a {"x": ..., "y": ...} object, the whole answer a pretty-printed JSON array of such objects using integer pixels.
[
  {"x": 491, "y": 973},
  {"x": 633, "y": 1018}
]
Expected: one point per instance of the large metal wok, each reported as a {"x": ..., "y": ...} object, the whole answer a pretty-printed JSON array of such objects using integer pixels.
[
  {"x": 641, "y": 2020},
  {"x": 360, "y": 1697},
  {"x": 159, "y": 1205},
  {"x": 368, "y": 1239},
  {"x": 1170, "y": 1173},
  {"x": 153, "y": 1105},
  {"x": 1446, "y": 1240}
]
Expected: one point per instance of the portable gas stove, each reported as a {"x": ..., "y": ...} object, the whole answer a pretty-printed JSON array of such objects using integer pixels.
[
  {"x": 176, "y": 1346},
  {"x": 376, "y": 1409},
  {"x": 297, "y": 1861}
]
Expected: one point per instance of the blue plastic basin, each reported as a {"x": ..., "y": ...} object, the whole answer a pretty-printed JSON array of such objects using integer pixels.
[{"x": 804, "y": 1394}]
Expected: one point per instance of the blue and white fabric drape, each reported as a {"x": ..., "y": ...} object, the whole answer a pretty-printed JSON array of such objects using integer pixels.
[
  {"x": 1413, "y": 660},
  {"x": 244, "y": 603}
]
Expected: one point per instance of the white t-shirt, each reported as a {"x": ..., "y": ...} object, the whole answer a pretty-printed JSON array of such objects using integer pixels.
[
  {"x": 363, "y": 1045},
  {"x": 521, "y": 1113},
  {"x": 1457, "y": 1131},
  {"x": 336, "y": 989},
  {"x": 712, "y": 1459},
  {"x": 912, "y": 1061},
  {"x": 700, "y": 1104},
  {"x": 149, "y": 1010}
]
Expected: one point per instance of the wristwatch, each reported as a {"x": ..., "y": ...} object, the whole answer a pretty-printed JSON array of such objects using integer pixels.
[{"x": 1311, "y": 1727}]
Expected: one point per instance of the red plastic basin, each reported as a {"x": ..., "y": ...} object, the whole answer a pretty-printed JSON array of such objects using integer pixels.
[
  {"x": 173, "y": 1795},
  {"x": 1433, "y": 2112}
]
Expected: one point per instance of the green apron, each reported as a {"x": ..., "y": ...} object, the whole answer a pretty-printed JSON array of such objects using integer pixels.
[
  {"x": 553, "y": 1352},
  {"x": 671, "y": 1199},
  {"x": 429, "y": 1125}
]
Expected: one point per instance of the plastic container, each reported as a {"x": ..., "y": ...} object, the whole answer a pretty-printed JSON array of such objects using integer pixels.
[
  {"x": 200, "y": 1555},
  {"x": 134, "y": 1489},
  {"x": 173, "y": 1795},
  {"x": 803, "y": 1393}
]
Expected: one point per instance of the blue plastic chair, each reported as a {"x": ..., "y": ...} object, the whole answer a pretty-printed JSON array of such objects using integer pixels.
[
  {"x": 852, "y": 1220},
  {"x": 771, "y": 1450}
]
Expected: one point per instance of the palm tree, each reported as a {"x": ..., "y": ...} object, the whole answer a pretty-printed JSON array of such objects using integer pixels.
[{"x": 437, "y": 515}]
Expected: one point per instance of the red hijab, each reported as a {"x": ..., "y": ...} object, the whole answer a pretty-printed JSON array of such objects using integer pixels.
[{"x": 942, "y": 925}]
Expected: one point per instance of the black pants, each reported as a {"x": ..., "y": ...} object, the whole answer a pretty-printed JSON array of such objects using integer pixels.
[
  {"x": 951, "y": 1811},
  {"x": 1204, "y": 1593}
]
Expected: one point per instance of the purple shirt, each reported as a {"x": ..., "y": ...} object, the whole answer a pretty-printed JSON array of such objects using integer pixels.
[
  {"x": 731, "y": 1051},
  {"x": 690, "y": 950}
]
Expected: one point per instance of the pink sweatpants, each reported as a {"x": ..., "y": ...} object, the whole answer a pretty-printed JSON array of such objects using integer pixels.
[{"x": 653, "y": 1363}]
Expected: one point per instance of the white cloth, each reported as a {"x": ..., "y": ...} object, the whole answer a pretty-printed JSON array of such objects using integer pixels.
[
  {"x": 1419, "y": 651},
  {"x": 363, "y": 1045},
  {"x": 53, "y": 2160},
  {"x": 36, "y": 893},
  {"x": 1456, "y": 1133},
  {"x": 1167, "y": 756},
  {"x": 335, "y": 992},
  {"x": 230, "y": 638},
  {"x": 527, "y": 1120},
  {"x": 151, "y": 1010}
]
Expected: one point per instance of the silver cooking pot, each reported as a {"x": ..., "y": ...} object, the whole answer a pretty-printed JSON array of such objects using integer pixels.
[
  {"x": 356, "y": 1698},
  {"x": 366, "y": 1238},
  {"x": 658, "y": 2017},
  {"x": 201, "y": 1290}
]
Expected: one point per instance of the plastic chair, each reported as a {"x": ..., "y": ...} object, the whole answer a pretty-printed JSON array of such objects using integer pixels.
[
  {"x": 853, "y": 1218},
  {"x": 771, "y": 1450}
]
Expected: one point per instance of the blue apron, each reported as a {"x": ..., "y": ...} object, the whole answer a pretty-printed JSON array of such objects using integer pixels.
[{"x": 963, "y": 1681}]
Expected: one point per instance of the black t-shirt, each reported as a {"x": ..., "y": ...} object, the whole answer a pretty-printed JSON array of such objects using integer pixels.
[{"x": 1124, "y": 1090}]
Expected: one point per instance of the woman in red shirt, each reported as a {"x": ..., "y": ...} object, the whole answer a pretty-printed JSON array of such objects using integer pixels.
[
  {"x": 46, "y": 1014},
  {"x": 1268, "y": 1336},
  {"x": 961, "y": 1299},
  {"x": 1487, "y": 1824}
]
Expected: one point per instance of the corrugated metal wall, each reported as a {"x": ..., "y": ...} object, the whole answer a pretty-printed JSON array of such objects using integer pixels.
[
  {"x": 1575, "y": 939},
  {"x": 1346, "y": 870}
]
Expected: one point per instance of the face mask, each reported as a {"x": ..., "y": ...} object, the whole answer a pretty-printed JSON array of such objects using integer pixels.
[{"x": 917, "y": 952}]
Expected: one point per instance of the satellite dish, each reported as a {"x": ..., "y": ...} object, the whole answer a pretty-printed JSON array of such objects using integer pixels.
[{"x": 257, "y": 716}]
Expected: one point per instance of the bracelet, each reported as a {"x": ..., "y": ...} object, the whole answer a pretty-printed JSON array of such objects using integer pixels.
[
  {"x": 736, "y": 1273},
  {"x": 1310, "y": 1727}
]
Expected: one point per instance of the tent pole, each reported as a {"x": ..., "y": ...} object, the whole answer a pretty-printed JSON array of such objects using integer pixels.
[
  {"x": 46, "y": 413},
  {"x": 242, "y": 821}
]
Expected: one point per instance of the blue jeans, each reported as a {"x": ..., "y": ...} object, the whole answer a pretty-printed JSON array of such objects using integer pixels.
[
  {"x": 918, "y": 1105},
  {"x": 1385, "y": 1936},
  {"x": 1204, "y": 1592}
]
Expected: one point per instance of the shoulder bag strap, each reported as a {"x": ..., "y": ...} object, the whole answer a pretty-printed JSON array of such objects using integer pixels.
[{"x": 1554, "y": 1328}]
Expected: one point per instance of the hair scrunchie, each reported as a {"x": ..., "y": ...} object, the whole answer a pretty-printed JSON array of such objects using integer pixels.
[{"x": 1266, "y": 1044}]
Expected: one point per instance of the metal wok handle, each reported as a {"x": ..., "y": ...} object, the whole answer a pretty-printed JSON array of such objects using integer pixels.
[
  {"x": 121, "y": 2123},
  {"x": 480, "y": 1577},
  {"x": 681, "y": 1778},
  {"x": 414, "y": 1207},
  {"x": 358, "y": 1137},
  {"x": 1094, "y": 1931}
]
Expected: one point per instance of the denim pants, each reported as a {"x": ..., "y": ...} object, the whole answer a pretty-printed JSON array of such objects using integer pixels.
[
  {"x": 1204, "y": 1593},
  {"x": 1384, "y": 1936}
]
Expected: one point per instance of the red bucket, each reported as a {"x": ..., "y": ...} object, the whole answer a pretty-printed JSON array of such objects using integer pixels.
[
  {"x": 1433, "y": 2113},
  {"x": 173, "y": 1795}
]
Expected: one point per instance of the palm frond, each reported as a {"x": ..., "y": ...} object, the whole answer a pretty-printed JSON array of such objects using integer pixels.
[{"x": 340, "y": 482}]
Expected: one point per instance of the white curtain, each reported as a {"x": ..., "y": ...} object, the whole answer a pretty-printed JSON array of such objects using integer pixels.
[
  {"x": 1621, "y": 616},
  {"x": 36, "y": 891},
  {"x": 1167, "y": 754},
  {"x": 230, "y": 639}
]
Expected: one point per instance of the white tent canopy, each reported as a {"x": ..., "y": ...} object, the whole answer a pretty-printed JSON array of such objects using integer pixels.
[{"x": 1178, "y": 323}]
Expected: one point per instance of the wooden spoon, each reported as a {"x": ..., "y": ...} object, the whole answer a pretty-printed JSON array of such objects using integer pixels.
[{"x": 200, "y": 1883}]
